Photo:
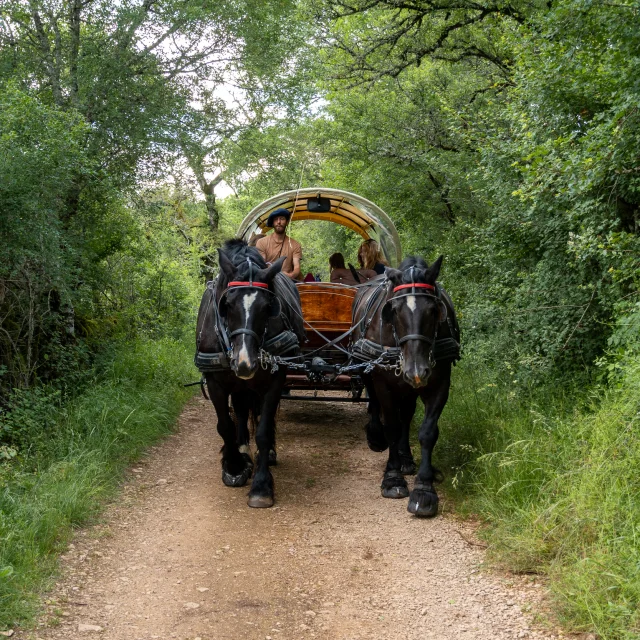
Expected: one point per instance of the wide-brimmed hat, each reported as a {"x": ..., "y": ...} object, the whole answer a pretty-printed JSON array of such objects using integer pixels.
[{"x": 276, "y": 214}]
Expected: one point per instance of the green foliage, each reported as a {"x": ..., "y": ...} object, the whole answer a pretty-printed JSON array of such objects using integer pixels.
[
  {"x": 146, "y": 281},
  {"x": 558, "y": 171},
  {"x": 558, "y": 487},
  {"x": 510, "y": 144},
  {"x": 97, "y": 98},
  {"x": 40, "y": 154}
]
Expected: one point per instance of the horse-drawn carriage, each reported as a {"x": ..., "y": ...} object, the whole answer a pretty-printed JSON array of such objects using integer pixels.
[{"x": 260, "y": 336}]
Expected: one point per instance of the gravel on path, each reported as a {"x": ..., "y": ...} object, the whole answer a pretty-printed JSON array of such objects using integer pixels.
[{"x": 182, "y": 556}]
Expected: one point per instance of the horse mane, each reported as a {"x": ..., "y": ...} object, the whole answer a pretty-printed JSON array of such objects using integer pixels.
[
  {"x": 238, "y": 251},
  {"x": 418, "y": 273}
]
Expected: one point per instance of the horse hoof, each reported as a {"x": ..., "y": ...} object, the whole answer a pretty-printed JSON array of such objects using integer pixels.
[
  {"x": 394, "y": 485},
  {"x": 395, "y": 492},
  {"x": 273, "y": 458},
  {"x": 239, "y": 480},
  {"x": 408, "y": 468},
  {"x": 423, "y": 504},
  {"x": 260, "y": 502}
]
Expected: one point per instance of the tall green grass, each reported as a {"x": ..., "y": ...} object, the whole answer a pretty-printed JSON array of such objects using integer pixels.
[
  {"x": 65, "y": 459},
  {"x": 559, "y": 488}
]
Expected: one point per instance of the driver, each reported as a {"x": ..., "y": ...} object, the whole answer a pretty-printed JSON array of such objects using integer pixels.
[{"x": 278, "y": 244}]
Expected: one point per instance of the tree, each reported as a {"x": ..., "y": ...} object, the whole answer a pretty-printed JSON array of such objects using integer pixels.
[
  {"x": 519, "y": 120},
  {"x": 383, "y": 38},
  {"x": 41, "y": 153},
  {"x": 128, "y": 76}
]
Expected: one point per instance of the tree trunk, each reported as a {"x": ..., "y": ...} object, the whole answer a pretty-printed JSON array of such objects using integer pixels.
[
  {"x": 74, "y": 24},
  {"x": 198, "y": 165},
  {"x": 212, "y": 209}
]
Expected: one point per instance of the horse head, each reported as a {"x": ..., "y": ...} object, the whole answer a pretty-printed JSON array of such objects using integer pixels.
[
  {"x": 413, "y": 312},
  {"x": 246, "y": 303}
]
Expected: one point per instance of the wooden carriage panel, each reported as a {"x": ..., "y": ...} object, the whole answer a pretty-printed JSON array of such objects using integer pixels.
[{"x": 327, "y": 306}]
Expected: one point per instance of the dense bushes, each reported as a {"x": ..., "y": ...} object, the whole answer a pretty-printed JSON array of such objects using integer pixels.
[{"x": 40, "y": 153}]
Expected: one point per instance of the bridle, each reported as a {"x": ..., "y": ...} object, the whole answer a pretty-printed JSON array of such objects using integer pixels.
[
  {"x": 417, "y": 289},
  {"x": 250, "y": 284}
]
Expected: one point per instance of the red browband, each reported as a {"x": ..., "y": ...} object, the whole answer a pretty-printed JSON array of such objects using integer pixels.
[
  {"x": 417, "y": 285},
  {"x": 235, "y": 283}
]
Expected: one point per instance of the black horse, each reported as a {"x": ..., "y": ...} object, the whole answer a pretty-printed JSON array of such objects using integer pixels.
[
  {"x": 250, "y": 313},
  {"x": 408, "y": 321}
]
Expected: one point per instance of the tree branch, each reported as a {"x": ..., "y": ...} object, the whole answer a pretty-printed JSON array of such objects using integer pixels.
[{"x": 52, "y": 70}]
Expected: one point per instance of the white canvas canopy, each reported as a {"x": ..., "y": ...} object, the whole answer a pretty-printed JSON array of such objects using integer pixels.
[{"x": 334, "y": 205}]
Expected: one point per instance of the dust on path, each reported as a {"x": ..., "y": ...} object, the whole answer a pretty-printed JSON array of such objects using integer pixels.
[{"x": 182, "y": 556}]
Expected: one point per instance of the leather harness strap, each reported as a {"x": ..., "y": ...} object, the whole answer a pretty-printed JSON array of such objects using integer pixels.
[
  {"x": 247, "y": 332},
  {"x": 415, "y": 336},
  {"x": 237, "y": 283},
  {"x": 414, "y": 285}
]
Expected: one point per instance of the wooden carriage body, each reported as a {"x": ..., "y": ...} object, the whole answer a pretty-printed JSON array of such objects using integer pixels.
[{"x": 326, "y": 307}]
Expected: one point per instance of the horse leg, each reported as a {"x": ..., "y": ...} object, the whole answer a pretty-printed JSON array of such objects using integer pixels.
[
  {"x": 393, "y": 483},
  {"x": 242, "y": 409},
  {"x": 261, "y": 494},
  {"x": 423, "y": 501},
  {"x": 234, "y": 469},
  {"x": 273, "y": 456},
  {"x": 253, "y": 406},
  {"x": 407, "y": 410},
  {"x": 374, "y": 429}
]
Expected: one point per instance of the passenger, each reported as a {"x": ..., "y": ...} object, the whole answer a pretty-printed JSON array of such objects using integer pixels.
[
  {"x": 336, "y": 261},
  {"x": 370, "y": 256},
  {"x": 278, "y": 244},
  {"x": 342, "y": 275}
]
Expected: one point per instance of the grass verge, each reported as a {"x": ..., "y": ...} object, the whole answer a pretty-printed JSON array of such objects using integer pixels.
[
  {"x": 65, "y": 459},
  {"x": 559, "y": 490}
]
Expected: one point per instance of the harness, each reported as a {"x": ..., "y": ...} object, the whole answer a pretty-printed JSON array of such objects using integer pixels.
[
  {"x": 413, "y": 286},
  {"x": 364, "y": 354},
  {"x": 368, "y": 354},
  {"x": 278, "y": 345}
]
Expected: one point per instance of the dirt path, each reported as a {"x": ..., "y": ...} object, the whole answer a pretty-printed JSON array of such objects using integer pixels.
[{"x": 181, "y": 556}]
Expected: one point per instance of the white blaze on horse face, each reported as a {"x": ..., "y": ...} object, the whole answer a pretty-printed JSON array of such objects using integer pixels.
[
  {"x": 247, "y": 303},
  {"x": 411, "y": 303}
]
